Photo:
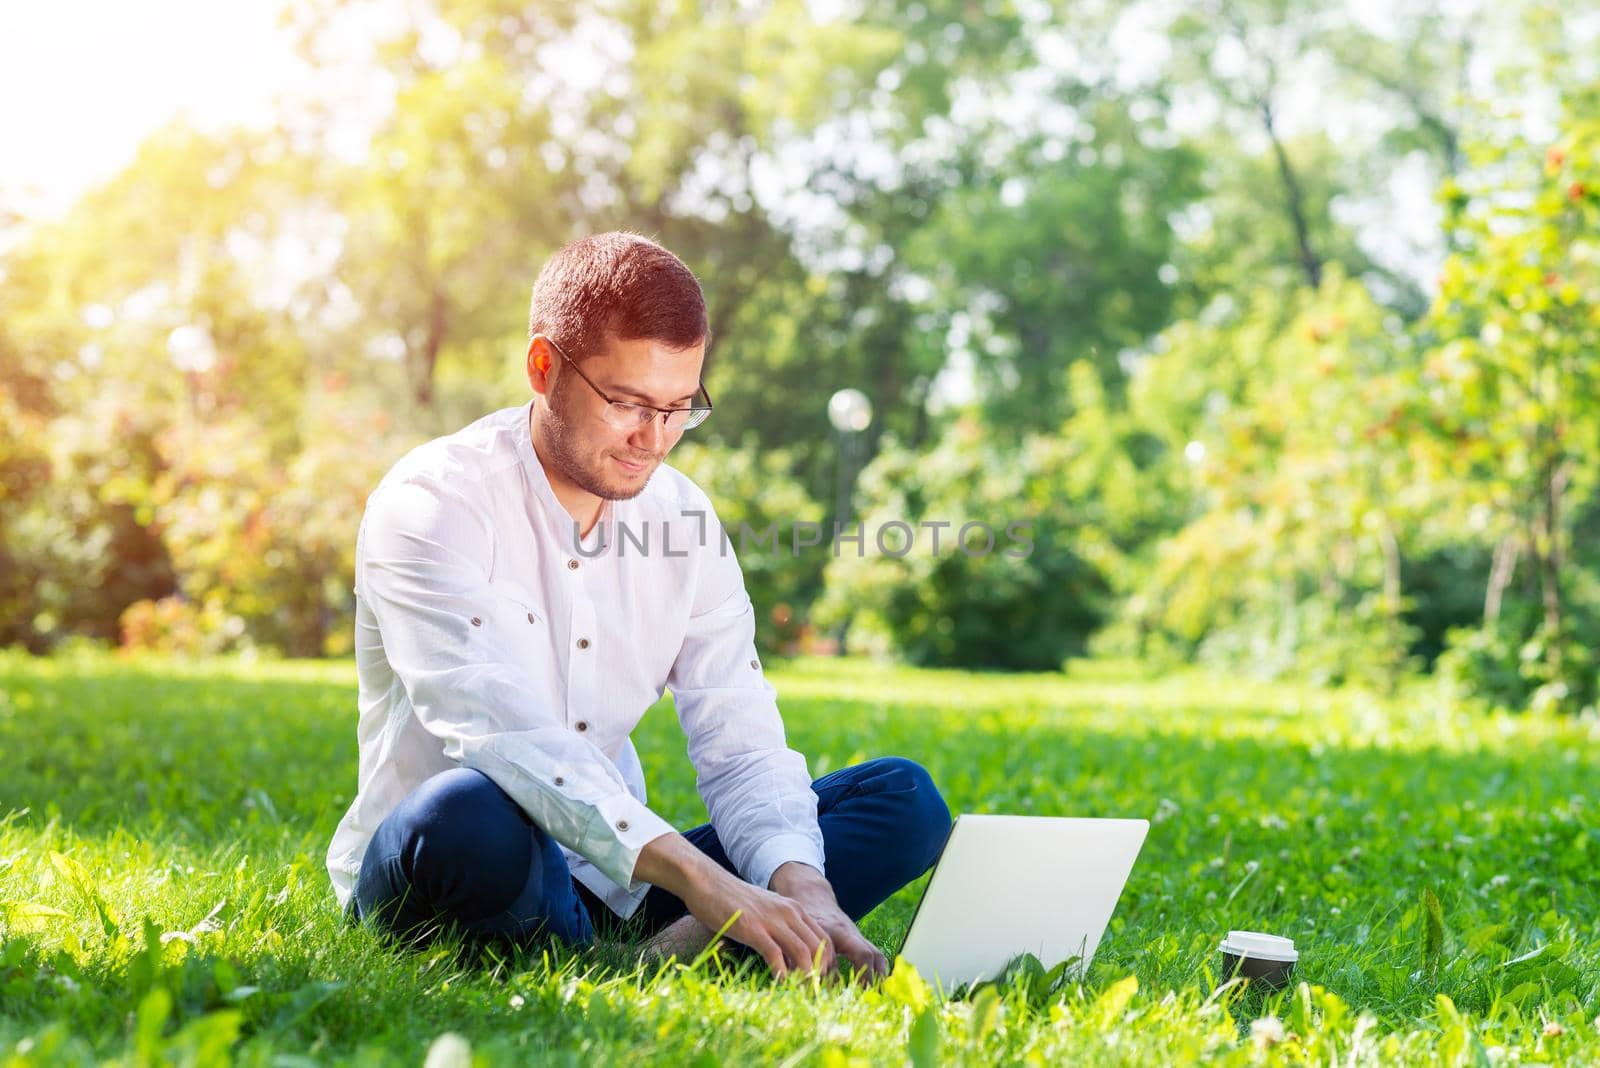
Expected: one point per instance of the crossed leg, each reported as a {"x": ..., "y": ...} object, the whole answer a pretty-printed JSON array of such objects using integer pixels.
[{"x": 459, "y": 852}]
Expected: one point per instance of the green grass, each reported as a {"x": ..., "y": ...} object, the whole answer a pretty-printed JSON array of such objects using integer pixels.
[{"x": 162, "y": 894}]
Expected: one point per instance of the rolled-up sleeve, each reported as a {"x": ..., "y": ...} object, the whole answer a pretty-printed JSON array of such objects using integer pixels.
[
  {"x": 422, "y": 567},
  {"x": 756, "y": 789}
]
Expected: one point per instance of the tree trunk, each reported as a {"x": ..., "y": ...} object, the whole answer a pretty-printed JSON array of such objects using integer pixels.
[
  {"x": 1391, "y": 607},
  {"x": 1551, "y": 559},
  {"x": 1502, "y": 570},
  {"x": 1294, "y": 199},
  {"x": 1289, "y": 607},
  {"x": 428, "y": 359},
  {"x": 1391, "y": 570}
]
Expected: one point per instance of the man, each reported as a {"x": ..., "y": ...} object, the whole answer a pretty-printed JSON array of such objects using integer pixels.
[{"x": 512, "y": 626}]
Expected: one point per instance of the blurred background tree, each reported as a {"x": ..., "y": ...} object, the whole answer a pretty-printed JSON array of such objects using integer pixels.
[
  {"x": 1511, "y": 393},
  {"x": 1164, "y": 284}
]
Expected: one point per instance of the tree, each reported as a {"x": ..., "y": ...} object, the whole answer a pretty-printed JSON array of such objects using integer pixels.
[
  {"x": 177, "y": 355},
  {"x": 1064, "y": 256},
  {"x": 1286, "y": 412},
  {"x": 1245, "y": 51},
  {"x": 25, "y": 407},
  {"x": 975, "y": 554},
  {"x": 1513, "y": 381}
]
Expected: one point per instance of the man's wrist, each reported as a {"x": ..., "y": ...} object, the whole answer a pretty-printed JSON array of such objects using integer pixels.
[
  {"x": 673, "y": 864},
  {"x": 795, "y": 878}
]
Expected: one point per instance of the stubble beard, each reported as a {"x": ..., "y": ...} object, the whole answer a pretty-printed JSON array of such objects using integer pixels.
[{"x": 563, "y": 440}]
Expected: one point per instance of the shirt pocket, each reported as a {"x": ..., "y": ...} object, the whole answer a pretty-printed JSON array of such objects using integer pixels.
[
  {"x": 522, "y": 611},
  {"x": 522, "y": 623},
  {"x": 520, "y": 617}
]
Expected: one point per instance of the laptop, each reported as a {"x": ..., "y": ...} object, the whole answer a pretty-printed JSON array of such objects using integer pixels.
[{"x": 1008, "y": 885}]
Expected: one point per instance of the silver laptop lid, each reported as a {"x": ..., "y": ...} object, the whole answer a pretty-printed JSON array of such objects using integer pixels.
[{"x": 1008, "y": 885}]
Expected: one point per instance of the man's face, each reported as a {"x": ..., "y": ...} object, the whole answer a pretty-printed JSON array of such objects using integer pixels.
[{"x": 614, "y": 463}]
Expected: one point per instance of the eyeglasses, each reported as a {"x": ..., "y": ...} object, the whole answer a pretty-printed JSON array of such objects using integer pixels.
[{"x": 625, "y": 415}]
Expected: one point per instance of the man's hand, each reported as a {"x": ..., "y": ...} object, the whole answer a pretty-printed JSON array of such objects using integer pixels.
[
  {"x": 810, "y": 888},
  {"x": 775, "y": 926}
]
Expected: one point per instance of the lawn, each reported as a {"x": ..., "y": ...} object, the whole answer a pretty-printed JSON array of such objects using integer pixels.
[{"x": 162, "y": 894}]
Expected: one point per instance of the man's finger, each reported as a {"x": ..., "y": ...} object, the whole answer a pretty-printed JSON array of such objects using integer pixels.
[
  {"x": 826, "y": 961},
  {"x": 794, "y": 947},
  {"x": 866, "y": 973},
  {"x": 870, "y": 963},
  {"x": 770, "y": 952},
  {"x": 819, "y": 948}
]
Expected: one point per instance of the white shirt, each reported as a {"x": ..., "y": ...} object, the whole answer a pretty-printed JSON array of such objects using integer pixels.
[{"x": 488, "y": 637}]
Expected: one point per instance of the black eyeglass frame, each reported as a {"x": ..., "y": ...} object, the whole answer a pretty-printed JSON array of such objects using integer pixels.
[{"x": 698, "y": 414}]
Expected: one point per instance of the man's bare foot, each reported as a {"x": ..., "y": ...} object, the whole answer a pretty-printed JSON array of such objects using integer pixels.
[{"x": 683, "y": 938}]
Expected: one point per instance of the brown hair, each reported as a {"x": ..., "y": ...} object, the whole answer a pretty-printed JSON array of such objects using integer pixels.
[{"x": 617, "y": 285}]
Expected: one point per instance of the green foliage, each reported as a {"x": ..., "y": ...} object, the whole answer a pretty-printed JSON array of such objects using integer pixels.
[
  {"x": 972, "y": 555},
  {"x": 1126, "y": 300},
  {"x": 460, "y": 197},
  {"x": 80, "y": 549},
  {"x": 1269, "y": 220},
  {"x": 1283, "y": 411},
  {"x": 1444, "y": 591},
  {"x": 170, "y": 250},
  {"x": 24, "y": 471},
  {"x": 272, "y": 547},
  {"x": 162, "y": 900},
  {"x": 1508, "y": 664},
  {"x": 1073, "y": 235},
  {"x": 1513, "y": 383},
  {"x": 751, "y": 489}
]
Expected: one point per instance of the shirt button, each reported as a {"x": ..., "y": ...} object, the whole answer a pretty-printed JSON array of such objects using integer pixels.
[
  {"x": 530, "y": 617},
  {"x": 582, "y": 726},
  {"x": 476, "y": 622},
  {"x": 622, "y": 825},
  {"x": 572, "y": 565},
  {"x": 583, "y": 643},
  {"x": 560, "y": 781},
  {"x": 756, "y": 664}
]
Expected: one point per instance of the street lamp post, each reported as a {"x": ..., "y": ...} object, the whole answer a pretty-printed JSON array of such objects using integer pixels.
[{"x": 850, "y": 412}]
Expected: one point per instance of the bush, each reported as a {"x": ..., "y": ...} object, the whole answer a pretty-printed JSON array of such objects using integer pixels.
[
  {"x": 1510, "y": 665},
  {"x": 178, "y": 625},
  {"x": 1301, "y": 498},
  {"x": 749, "y": 485},
  {"x": 1444, "y": 591},
  {"x": 78, "y": 545},
  {"x": 272, "y": 542},
  {"x": 1027, "y": 603}
]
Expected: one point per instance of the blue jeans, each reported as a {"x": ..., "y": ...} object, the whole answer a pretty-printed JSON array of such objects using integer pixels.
[{"x": 458, "y": 852}]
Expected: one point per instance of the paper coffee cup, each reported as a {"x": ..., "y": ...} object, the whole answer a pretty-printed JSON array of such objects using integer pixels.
[{"x": 1261, "y": 958}]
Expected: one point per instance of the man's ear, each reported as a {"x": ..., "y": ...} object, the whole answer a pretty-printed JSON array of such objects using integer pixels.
[{"x": 539, "y": 363}]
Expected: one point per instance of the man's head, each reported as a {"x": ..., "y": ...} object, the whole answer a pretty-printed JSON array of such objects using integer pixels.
[{"x": 623, "y": 312}]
